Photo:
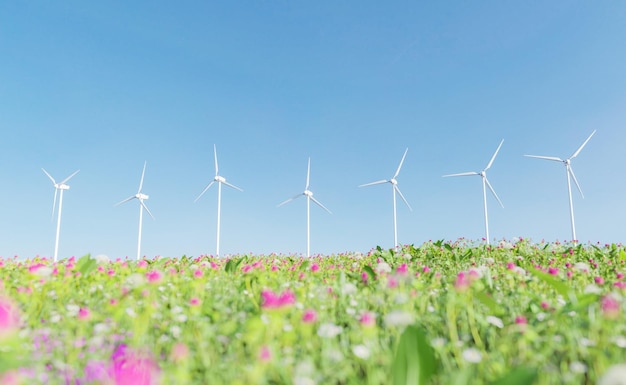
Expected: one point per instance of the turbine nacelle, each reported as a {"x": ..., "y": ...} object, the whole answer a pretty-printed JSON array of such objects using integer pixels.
[
  {"x": 61, "y": 186},
  {"x": 219, "y": 179},
  {"x": 393, "y": 181},
  {"x": 141, "y": 196},
  {"x": 308, "y": 193}
]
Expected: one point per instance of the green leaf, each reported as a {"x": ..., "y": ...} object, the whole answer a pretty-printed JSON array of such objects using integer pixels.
[
  {"x": 447, "y": 246},
  {"x": 86, "y": 265},
  {"x": 371, "y": 274},
  {"x": 414, "y": 363},
  {"x": 557, "y": 285},
  {"x": 489, "y": 302},
  {"x": 518, "y": 376},
  {"x": 232, "y": 265}
]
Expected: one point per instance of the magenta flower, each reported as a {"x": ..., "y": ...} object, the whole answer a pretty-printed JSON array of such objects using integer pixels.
[
  {"x": 315, "y": 267},
  {"x": 610, "y": 307},
  {"x": 309, "y": 316},
  {"x": 462, "y": 282},
  {"x": 194, "y": 301},
  {"x": 265, "y": 354},
  {"x": 129, "y": 367},
  {"x": 142, "y": 263},
  {"x": 9, "y": 317},
  {"x": 553, "y": 271},
  {"x": 368, "y": 319},
  {"x": 84, "y": 313},
  {"x": 198, "y": 273},
  {"x": 599, "y": 280},
  {"x": 402, "y": 269},
  {"x": 270, "y": 300},
  {"x": 154, "y": 276}
]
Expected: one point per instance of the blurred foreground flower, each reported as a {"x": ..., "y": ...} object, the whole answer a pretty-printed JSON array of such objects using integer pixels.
[
  {"x": 9, "y": 317},
  {"x": 615, "y": 375},
  {"x": 127, "y": 367},
  {"x": 271, "y": 300}
]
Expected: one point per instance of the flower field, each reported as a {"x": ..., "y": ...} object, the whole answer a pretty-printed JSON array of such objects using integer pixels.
[{"x": 441, "y": 313}]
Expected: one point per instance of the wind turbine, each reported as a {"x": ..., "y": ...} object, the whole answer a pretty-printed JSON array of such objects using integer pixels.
[
  {"x": 220, "y": 180},
  {"x": 570, "y": 172},
  {"x": 483, "y": 175},
  {"x": 309, "y": 197},
  {"x": 61, "y": 186},
  {"x": 142, "y": 206},
  {"x": 395, "y": 189}
]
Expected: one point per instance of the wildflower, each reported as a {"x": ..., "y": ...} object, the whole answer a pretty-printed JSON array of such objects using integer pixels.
[
  {"x": 154, "y": 276},
  {"x": 9, "y": 317},
  {"x": 383, "y": 267},
  {"x": 472, "y": 355},
  {"x": 198, "y": 273},
  {"x": 599, "y": 280},
  {"x": 129, "y": 367},
  {"x": 495, "y": 321},
  {"x": 462, "y": 282},
  {"x": 614, "y": 375},
  {"x": 402, "y": 269},
  {"x": 180, "y": 352},
  {"x": 309, "y": 316},
  {"x": 315, "y": 267},
  {"x": 329, "y": 330},
  {"x": 265, "y": 354},
  {"x": 361, "y": 351},
  {"x": 398, "y": 318},
  {"x": 142, "y": 263},
  {"x": 270, "y": 300},
  {"x": 577, "y": 367},
  {"x": 368, "y": 319},
  {"x": 12, "y": 377},
  {"x": 194, "y": 301},
  {"x": 553, "y": 271},
  {"x": 84, "y": 313},
  {"x": 610, "y": 307}
]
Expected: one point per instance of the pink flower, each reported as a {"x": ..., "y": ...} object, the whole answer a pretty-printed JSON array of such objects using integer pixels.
[
  {"x": 198, "y": 273},
  {"x": 368, "y": 319},
  {"x": 274, "y": 268},
  {"x": 610, "y": 307},
  {"x": 402, "y": 269},
  {"x": 9, "y": 317},
  {"x": 129, "y": 367},
  {"x": 12, "y": 377},
  {"x": 246, "y": 268},
  {"x": 521, "y": 320},
  {"x": 364, "y": 277},
  {"x": 426, "y": 269},
  {"x": 270, "y": 300},
  {"x": 265, "y": 355},
  {"x": 599, "y": 280},
  {"x": 553, "y": 271},
  {"x": 194, "y": 301},
  {"x": 84, "y": 313},
  {"x": 309, "y": 316},
  {"x": 154, "y": 276},
  {"x": 392, "y": 282},
  {"x": 180, "y": 352},
  {"x": 462, "y": 282},
  {"x": 142, "y": 263},
  {"x": 315, "y": 267},
  {"x": 34, "y": 267}
]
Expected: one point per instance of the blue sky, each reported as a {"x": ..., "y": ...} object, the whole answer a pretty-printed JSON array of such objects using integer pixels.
[{"x": 103, "y": 87}]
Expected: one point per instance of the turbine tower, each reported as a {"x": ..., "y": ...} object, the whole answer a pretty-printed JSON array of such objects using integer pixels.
[
  {"x": 142, "y": 206},
  {"x": 220, "y": 180},
  {"x": 309, "y": 197},
  {"x": 570, "y": 172},
  {"x": 58, "y": 188},
  {"x": 395, "y": 189},
  {"x": 483, "y": 175}
]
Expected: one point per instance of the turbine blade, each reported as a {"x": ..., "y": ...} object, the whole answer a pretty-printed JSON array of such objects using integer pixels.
[
  {"x": 308, "y": 174},
  {"x": 69, "y": 177},
  {"x": 494, "y": 156},
  {"x": 203, "y": 191},
  {"x": 215, "y": 156},
  {"x": 373, "y": 183},
  {"x": 145, "y": 208},
  {"x": 49, "y": 176},
  {"x": 554, "y": 158},
  {"x": 493, "y": 192},
  {"x": 462, "y": 174},
  {"x": 124, "y": 201},
  {"x": 320, "y": 205},
  {"x": 400, "y": 165},
  {"x": 232, "y": 186},
  {"x": 396, "y": 188},
  {"x": 575, "y": 154},
  {"x": 54, "y": 204},
  {"x": 289, "y": 200},
  {"x": 142, "y": 174},
  {"x": 571, "y": 172}
]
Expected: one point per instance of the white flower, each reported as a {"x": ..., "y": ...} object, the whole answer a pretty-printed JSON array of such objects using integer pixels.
[
  {"x": 620, "y": 341},
  {"x": 54, "y": 318},
  {"x": 489, "y": 260},
  {"x": 43, "y": 271},
  {"x": 329, "y": 330},
  {"x": 581, "y": 266},
  {"x": 614, "y": 375},
  {"x": 175, "y": 330},
  {"x": 131, "y": 312},
  {"x": 135, "y": 280},
  {"x": 577, "y": 367},
  {"x": 519, "y": 270},
  {"x": 349, "y": 289},
  {"x": 407, "y": 256},
  {"x": 438, "y": 342},
  {"x": 361, "y": 351},
  {"x": 72, "y": 310},
  {"x": 473, "y": 356},
  {"x": 495, "y": 321},
  {"x": 398, "y": 318},
  {"x": 101, "y": 259},
  {"x": 383, "y": 267},
  {"x": 592, "y": 289}
]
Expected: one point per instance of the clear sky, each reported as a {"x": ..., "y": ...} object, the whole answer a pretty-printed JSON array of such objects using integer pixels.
[{"x": 104, "y": 86}]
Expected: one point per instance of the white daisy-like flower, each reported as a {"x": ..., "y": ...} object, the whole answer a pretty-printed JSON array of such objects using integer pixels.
[
  {"x": 592, "y": 289},
  {"x": 398, "y": 318},
  {"x": 620, "y": 341},
  {"x": 438, "y": 342},
  {"x": 472, "y": 355},
  {"x": 495, "y": 321},
  {"x": 72, "y": 310},
  {"x": 349, "y": 288},
  {"x": 614, "y": 375},
  {"x": 581, "y": 266},
  {"x": 383, "y": 267},
  {"x": 577, "y": 367},
  {"x": 361, "y": 351},
  {"x": 101, "y": 259},
  {"x": 329, "y": 330},
  {"x": 489, "y": 260}
]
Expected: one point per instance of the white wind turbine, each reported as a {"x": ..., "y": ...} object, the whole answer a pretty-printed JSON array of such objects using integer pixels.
[
  {"x": 483, "y": 175},
  {"x": 142, "y": 206},
  {"x": 570, "y": 172},
  {"x": 309, "y": 197},
  {"x": 395, "y": 189},
  {"x": 220, "y": 180},
  {"x": 61, "y": 186}
]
